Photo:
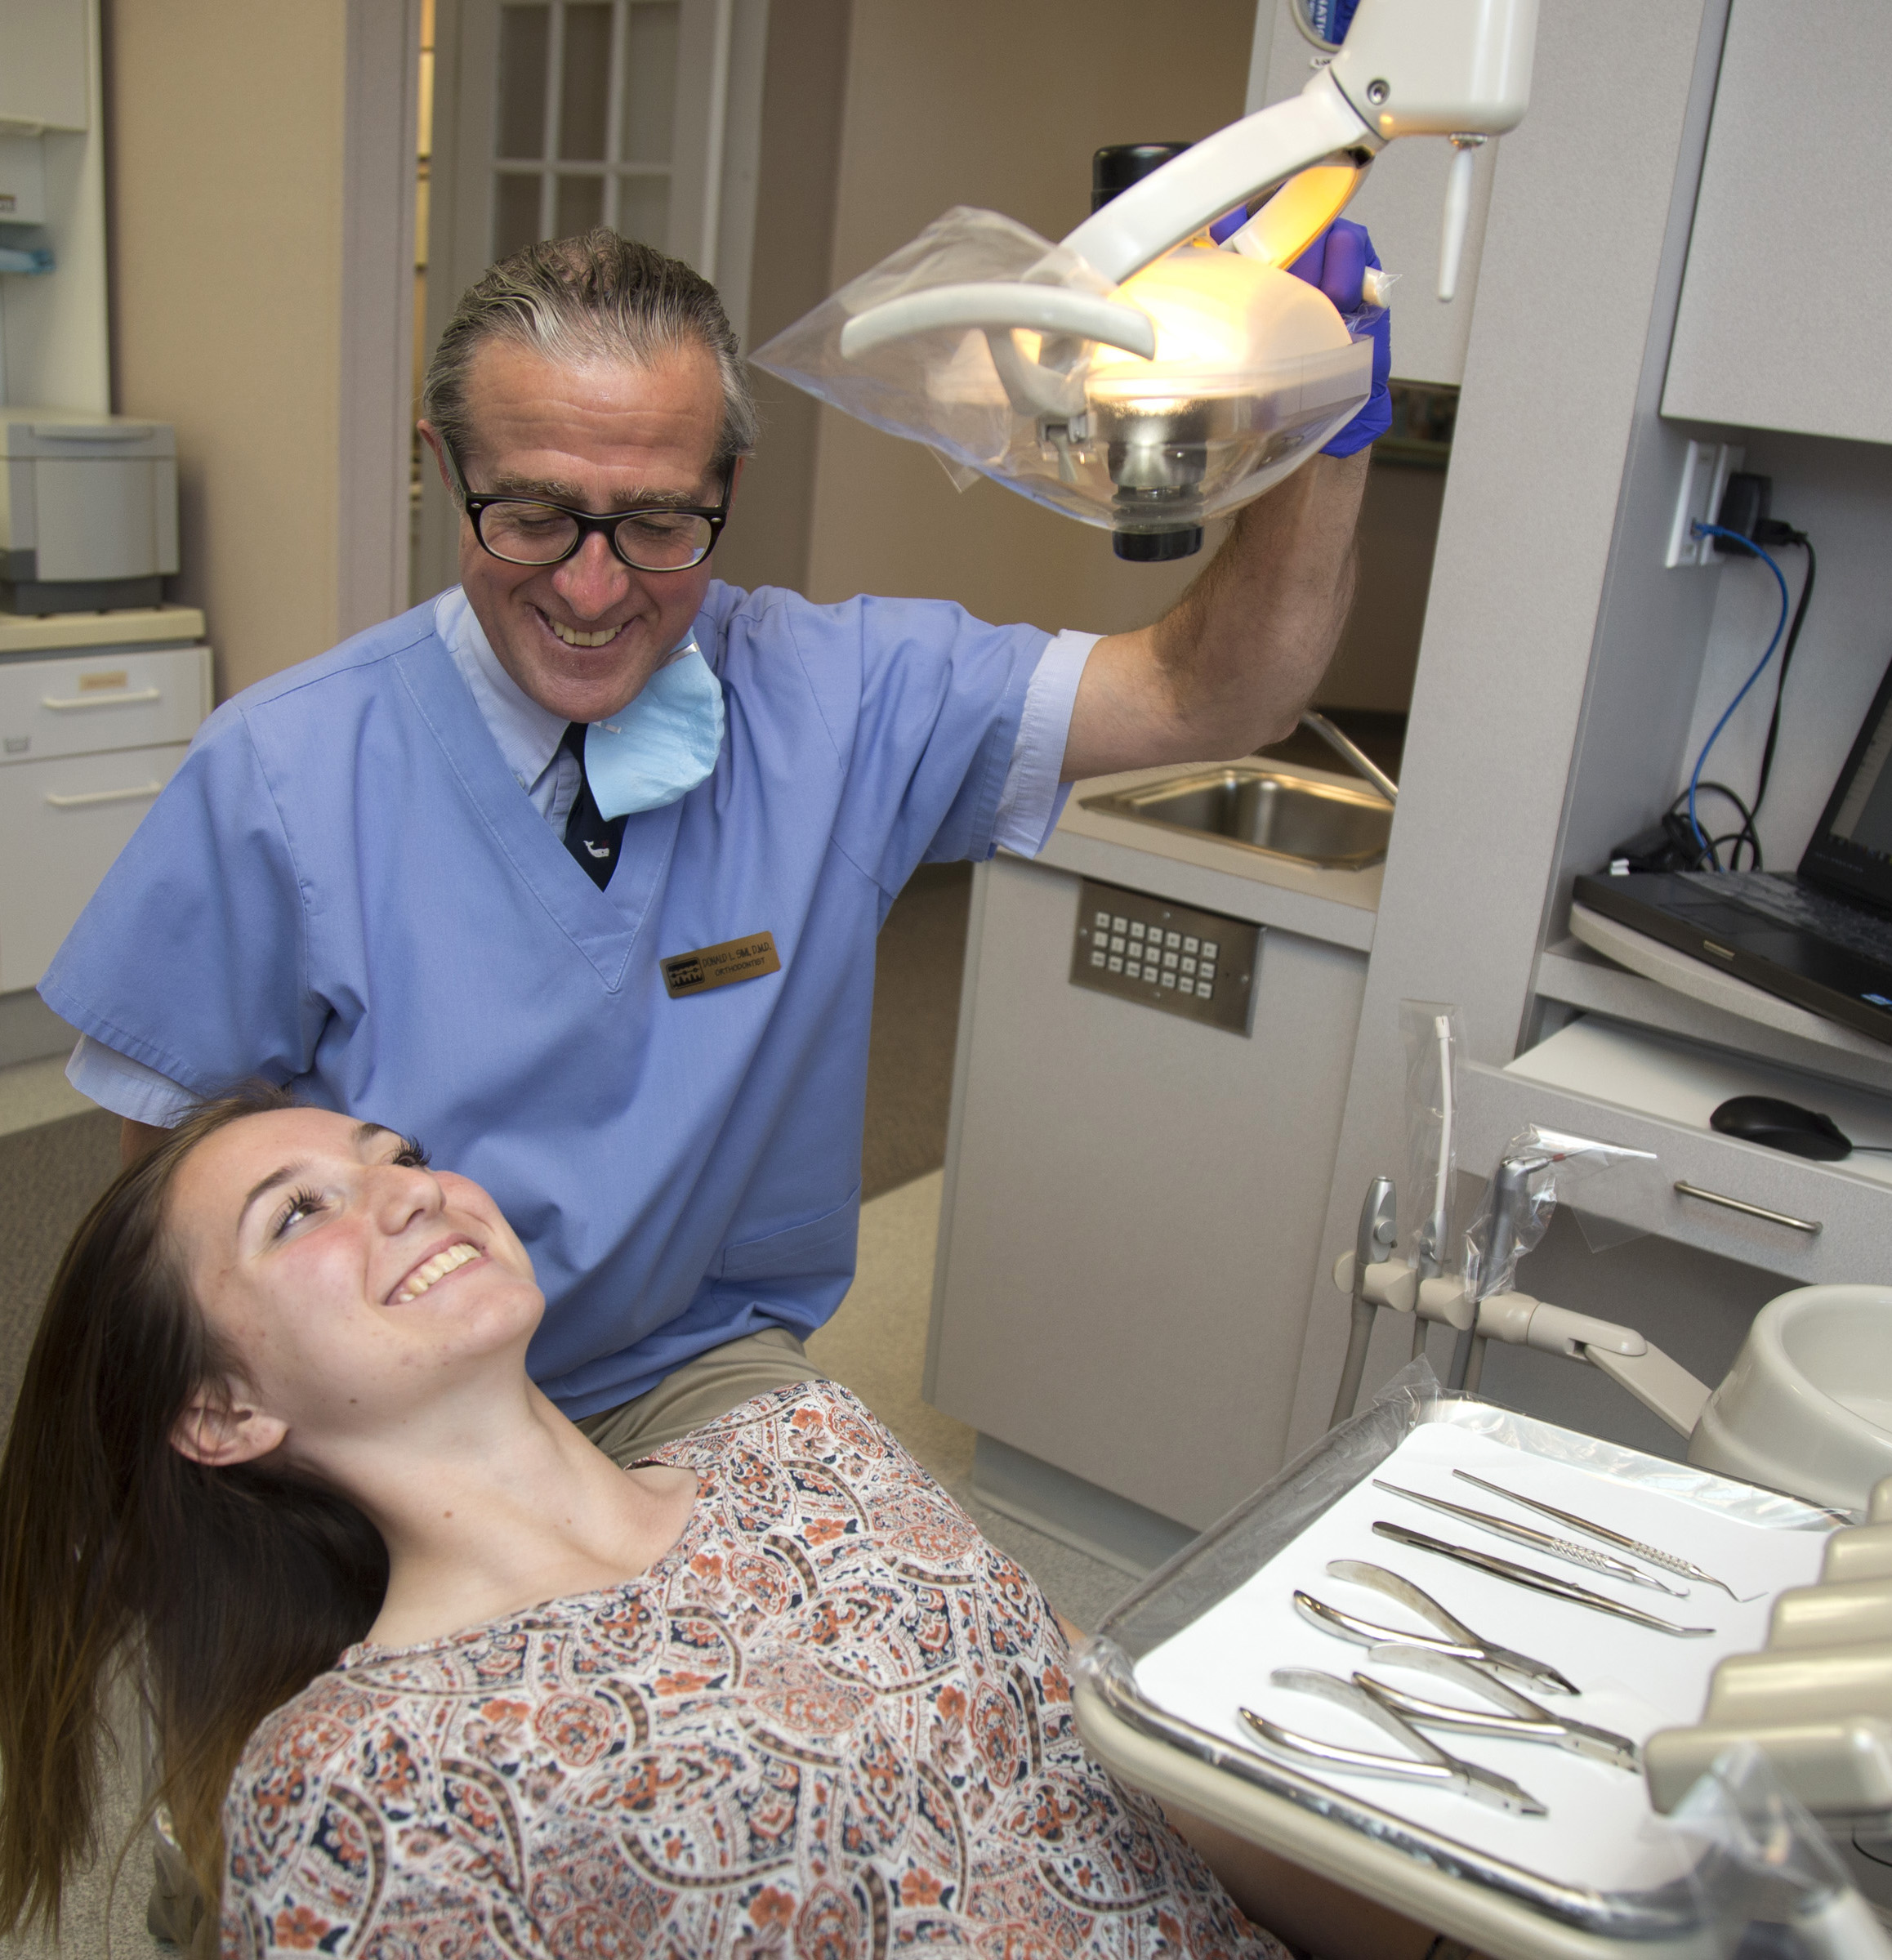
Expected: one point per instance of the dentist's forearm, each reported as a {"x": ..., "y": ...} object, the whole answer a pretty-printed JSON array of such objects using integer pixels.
[{"x": 1231, "y": 665}]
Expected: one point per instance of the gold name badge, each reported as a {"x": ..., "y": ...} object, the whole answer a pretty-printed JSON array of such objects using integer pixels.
[{"x": 746, "y": 958}]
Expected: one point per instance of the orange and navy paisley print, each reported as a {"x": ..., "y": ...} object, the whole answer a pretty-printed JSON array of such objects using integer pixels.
[{"x": 831, "y": 1722}]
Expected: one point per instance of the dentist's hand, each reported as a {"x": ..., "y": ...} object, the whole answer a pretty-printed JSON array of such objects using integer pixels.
[{"x": 1335, "y": 264}]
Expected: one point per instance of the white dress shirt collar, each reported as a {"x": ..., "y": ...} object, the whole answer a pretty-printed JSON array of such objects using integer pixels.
[{"x": 528, "y": 735}]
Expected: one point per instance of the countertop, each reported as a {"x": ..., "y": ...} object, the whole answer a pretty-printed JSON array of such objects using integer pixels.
[
  {"x": 43, "y": 634},
  {"x": 1339, "y": 907}
]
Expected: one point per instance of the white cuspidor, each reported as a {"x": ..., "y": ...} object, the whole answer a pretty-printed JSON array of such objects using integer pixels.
[{"x": 1807, "y": 1406}]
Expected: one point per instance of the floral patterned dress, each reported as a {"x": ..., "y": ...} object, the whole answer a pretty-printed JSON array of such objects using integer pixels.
[{"x": 833, "y": 1720}]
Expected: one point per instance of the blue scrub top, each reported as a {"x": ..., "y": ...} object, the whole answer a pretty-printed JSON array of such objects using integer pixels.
[{"x": 344, "y": 889}]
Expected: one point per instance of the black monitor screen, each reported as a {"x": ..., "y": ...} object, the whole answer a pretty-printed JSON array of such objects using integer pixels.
[{"x": 1864, "y": 817}]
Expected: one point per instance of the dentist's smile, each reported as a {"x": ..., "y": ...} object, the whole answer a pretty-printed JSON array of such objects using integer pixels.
[{"x": 572, "y": 636}]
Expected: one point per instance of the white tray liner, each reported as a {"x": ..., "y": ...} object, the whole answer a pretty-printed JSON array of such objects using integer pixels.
[{"x": 1601, "y": 1833}]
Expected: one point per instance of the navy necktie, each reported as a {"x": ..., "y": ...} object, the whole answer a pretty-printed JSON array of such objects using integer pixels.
[{"x": 591, "y": 837}]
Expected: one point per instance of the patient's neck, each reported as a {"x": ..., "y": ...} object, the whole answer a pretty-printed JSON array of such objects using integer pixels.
[{"x": 490, "y": 1501}]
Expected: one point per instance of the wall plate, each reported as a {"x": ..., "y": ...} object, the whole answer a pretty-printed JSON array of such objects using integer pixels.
[
  {"x": 1705, "y": 469},
  {"x": 1200, "y": 965}
]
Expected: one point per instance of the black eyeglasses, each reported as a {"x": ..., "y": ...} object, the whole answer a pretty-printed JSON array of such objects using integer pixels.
[{"x": 529, "y": 530}]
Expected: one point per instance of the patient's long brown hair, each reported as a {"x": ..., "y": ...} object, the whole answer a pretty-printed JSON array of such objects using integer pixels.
[{"x": 221, "y": 1592}]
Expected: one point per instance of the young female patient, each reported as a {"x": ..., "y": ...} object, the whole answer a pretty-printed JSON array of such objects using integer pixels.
[{"x": 470, "y": 1687}]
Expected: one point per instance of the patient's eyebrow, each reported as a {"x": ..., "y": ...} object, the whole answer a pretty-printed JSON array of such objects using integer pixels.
[
  {"x": 274, "y": 1181},
  {"x": 364, "y": 1132}
]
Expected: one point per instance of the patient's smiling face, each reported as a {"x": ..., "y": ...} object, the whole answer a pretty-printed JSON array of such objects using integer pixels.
[{"x": 351, "y": 1283}]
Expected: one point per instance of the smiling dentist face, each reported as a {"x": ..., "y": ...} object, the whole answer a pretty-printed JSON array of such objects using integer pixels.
[
  {"x": 582, "y": 638},
  {"x": 350, "y": 1281}
]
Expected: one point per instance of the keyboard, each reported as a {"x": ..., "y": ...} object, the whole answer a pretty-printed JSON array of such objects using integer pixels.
[{"x": 1788, "y": 902}]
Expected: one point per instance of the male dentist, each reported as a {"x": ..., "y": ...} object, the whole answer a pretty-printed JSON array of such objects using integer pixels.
[{"x": 575, "y": 872}]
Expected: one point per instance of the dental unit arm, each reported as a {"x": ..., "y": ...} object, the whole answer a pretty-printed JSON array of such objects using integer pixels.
[
  {"x": 1135, "y": 375},
  {"x": 1659, "y": 1383}
]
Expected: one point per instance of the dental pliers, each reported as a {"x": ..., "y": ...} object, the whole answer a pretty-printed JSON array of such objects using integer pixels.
[
  {"x": 1454, "y": 1638},
  {"x": 1522, "y": 1720},
  {"x": 1427, "y": 1763}
]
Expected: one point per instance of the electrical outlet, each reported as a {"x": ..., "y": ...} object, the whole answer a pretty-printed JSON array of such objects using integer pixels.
[{"x": 1705, "y": 469}]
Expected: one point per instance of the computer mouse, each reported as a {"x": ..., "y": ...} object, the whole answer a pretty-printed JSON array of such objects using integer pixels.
[{"x": 1782, "y": 1126}]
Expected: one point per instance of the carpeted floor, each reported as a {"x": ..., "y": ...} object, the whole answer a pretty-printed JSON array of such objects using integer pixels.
[
  {"x": 917, "y": 967},
  {"x": 48, "y": 1175}
]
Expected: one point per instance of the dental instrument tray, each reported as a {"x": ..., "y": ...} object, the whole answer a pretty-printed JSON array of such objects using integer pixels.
[{"x": 1295, "y": 1618}]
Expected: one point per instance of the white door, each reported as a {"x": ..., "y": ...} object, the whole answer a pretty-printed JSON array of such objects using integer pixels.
[{"x": 552, "y": 116}]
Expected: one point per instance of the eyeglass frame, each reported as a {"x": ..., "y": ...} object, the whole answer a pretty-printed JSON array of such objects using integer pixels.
[{"x": 475, "y": 503}]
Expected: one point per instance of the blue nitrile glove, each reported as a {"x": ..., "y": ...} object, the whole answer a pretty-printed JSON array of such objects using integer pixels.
[{"x": 1335, "y": 264}]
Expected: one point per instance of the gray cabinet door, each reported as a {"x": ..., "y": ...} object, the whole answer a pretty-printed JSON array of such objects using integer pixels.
[
  {"x": 1134, "y": 1210},
  {"x": 1764, "y": 338}
]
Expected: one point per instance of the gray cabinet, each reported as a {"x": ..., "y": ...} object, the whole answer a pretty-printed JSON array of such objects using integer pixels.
[
  {"x": 1770, "y": 334},
  {"x": 1134, "y": 1198}
]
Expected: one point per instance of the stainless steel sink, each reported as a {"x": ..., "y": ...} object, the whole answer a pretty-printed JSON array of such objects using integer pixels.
[{"x": 1332, "y": 825}]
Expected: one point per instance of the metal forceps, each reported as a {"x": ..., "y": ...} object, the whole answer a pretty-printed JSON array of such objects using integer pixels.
[
  {"x": 1427, "y": 1763},
  {"x": 1454, "y": 1638},
  {"x": 1522, "y": 1720}
]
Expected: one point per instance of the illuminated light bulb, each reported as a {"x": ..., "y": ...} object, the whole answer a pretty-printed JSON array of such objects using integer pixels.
[{"x": 1222, "y": 320}]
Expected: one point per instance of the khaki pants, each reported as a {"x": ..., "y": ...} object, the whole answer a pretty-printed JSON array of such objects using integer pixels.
[{"x": 698, "y": 1392}]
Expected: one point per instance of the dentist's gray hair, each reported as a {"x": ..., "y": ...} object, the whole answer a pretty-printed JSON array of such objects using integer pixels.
[{"x": 597, "y": 296}]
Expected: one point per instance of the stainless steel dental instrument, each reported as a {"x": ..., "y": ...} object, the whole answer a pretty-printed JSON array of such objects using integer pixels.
[
  {"x": 1456, "y": 1638},
  {"x": 1651, "y": 1554},
  {"x": 1522, "y": 1720},
  {"x": 1427, "y": 1763},
  {"x": 1534, "y": 1581},
  {"x": 1603, "y": 1563}
]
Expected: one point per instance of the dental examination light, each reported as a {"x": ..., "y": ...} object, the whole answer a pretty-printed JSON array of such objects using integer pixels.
[{"x": 1136, "y": 376}]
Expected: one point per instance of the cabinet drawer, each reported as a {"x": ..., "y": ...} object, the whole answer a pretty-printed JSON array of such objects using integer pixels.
[
  {"x": 104, "y": 699},
  {"x": 1853, "y": 1212},
  {"x": 64, "y": 822}
]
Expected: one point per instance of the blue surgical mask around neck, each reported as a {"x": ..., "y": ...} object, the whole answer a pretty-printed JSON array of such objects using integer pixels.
[{"x": 661, "y": 744}]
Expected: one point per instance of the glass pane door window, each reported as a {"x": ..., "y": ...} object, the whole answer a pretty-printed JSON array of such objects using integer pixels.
[{"x": 584, "y": 124}]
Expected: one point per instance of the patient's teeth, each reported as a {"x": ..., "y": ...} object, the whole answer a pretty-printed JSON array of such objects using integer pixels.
[{"x": 437, "y": 1268}]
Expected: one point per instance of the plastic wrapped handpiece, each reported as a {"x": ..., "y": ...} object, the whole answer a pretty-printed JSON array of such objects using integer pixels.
[
  {"x": 1768, "y": 1880},
  {"x": 1429, "y": 1032},
  {"x": 1539, "y": 1168}
]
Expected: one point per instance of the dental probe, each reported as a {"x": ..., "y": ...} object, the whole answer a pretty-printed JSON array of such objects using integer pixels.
[
  {"x": 1650, "y": 1554},
  {"x": 1602, "y": 1562},
  {"x": 1534, "y": 1581}
]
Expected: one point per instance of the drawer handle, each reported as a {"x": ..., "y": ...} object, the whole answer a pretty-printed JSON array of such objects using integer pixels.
[
  {"x": 1751, "y": 1211},
  {"x": 103, "y": 796},
  {"x": 61, "y": 705}
]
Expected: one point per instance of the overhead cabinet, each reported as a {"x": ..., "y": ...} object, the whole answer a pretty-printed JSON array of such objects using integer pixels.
[{"x": 1788, "y": 285}]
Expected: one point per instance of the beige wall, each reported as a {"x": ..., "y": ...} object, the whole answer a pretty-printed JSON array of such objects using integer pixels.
[
  {"x": 227, "y": 135},
  {"x": 998, "y": 103},
  {"x": 804, "y": 91},
  {"x": 261, "y": 192}
]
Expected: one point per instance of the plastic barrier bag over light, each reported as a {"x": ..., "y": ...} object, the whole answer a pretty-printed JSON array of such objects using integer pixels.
[
  {"x": 1253, "y": 372},
  {"x": 1538, "y": 1168}
]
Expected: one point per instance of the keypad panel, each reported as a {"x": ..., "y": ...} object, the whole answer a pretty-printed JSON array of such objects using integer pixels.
[{"x": 1197, "y": 964}]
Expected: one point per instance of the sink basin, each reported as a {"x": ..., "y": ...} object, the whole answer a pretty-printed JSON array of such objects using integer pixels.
[{"x": 1333, "y": 825}]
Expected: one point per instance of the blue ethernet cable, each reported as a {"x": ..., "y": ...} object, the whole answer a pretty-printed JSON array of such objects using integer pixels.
[{"x": 1747, "y": 544}]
